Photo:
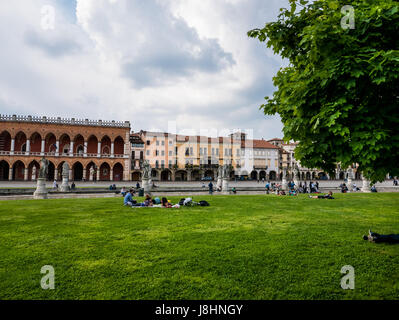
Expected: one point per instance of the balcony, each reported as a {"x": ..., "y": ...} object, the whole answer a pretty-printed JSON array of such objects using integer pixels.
[{"x": 61, "y": 155}]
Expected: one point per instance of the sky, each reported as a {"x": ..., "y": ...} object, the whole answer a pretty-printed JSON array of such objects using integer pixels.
[{"x": 166, "y": 65}]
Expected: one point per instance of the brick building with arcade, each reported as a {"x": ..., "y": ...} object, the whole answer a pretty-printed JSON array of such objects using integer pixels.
[{"x": 95, "y": 150}]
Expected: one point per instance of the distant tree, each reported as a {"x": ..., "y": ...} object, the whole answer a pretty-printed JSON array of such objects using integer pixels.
[{"x": 339, "y": 95}]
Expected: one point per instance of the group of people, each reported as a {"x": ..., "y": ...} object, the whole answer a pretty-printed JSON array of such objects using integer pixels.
[
  {"x": 72, "y": 187},
  {"x": 148, "y": 201},
  {"x": 313, "y": 187}
]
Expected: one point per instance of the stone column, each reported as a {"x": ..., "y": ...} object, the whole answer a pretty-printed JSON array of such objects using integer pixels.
[
  {"x": 99, "y": 149},
  {"x": 26, "y": 174},
  {"x": 98, "y": 174},
  {"x": 173, "y": 175},
  {"x": 70, "y": 177},
  {"x": 42, "y": 147},
  {"x": 85, "y": 149},
  {"x": 12, "y": 146},
  {"x": 10, "y": 174},
  {"x": 71, "y": 150},
  {"x": 27, "y": 147},
  {"x": 112, "y": 149},
  {"x": 111, "y": 174},
  {"x": 56, "y": 174},
  {"x": 188, "y": 175},
  {"x": 84, "y": 174},
  {"x": 57, "y": 152}
]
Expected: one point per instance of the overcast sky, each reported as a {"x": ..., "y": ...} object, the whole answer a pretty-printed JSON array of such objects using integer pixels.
[{"x": 149, "y": 62}]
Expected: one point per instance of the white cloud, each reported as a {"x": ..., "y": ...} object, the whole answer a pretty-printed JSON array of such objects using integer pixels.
[{"x": 149, "y": 62}]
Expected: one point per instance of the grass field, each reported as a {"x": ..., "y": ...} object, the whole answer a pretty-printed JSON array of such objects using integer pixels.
[{"x": 241, "y": 247}]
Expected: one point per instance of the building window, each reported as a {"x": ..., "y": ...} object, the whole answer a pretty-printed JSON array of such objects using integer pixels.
[
  {"x": 163, "y": 153},
  {"x": 148, "y": 142},
  {"x": 170, "y": 153},
  {"x": 170, "y": 142},
  {"x": 148, "y": 152},
  {"x": 157, "y": 143},
  {"x": 200, "y": 151},
  {"x": 217, "y": 152},
  {"x": 163, "y": 142}
]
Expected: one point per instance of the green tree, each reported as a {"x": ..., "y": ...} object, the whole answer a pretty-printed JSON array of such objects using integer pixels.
[{"x": 339, "y": 95}]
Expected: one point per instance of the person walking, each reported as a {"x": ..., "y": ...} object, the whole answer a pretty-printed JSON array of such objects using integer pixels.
[{"x": 210, "y": 186}]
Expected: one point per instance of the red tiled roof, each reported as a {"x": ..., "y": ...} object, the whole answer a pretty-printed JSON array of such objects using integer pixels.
[{"x": 263, "y": 144}]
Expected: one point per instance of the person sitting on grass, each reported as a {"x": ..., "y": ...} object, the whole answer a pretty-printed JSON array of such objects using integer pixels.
[
  {"x": 292, "y": 192},
  {"x": 123, "y": 191},
  {"x": 234, "y": 190},
  {"x": 373, "y": 189},
  {"x": 166, "y": 203},
  {"x": 326, "y": 196},
  {"x": 378, "y": 238},
  {"x": 281, "y": 193},
  {"x": 128, "y": 199}
]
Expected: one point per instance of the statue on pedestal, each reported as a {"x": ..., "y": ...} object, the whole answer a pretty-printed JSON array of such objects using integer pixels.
[
  {"x": 91, "y": 173},
  {"x": 41, "y": 190},
  {"x": 225, "y": 178},
  {"x": 65, "y": 176},
  {"x": 219, "y": 178},
  {"x": 284, "y": 179},
  {"x": 295, "y": 173},
  {"x": 146, "y": 183}
]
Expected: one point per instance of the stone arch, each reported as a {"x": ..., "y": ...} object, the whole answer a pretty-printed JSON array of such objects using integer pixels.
[
  {"x": 272, "y": 175},
  {"x": 254, "y": 175},
  {"x": 181, "y": 175},
  {"x": 51, "y": 171},
  {"x": 35, "y": 142},
  {"x": 210, "y": 174},
  {"x": 119, "y": 145},
  {"x": 18, "y": 170},
  {"x": 5, "y": 141},
  {"x": 95, "y": 168},
  {"x": 117, "y": 172},
  {"x": 262, "y": 175},
  {"x": 195, "y": 175},
  {"x": 50, "y": 143},
  {"x": 308, "y": 175},
  {"x": 65, "y": 144},
  {"x": 302, "y": 175},
  {"x": 78, "y": 144},
  {"x": 322, "y": 176},
  {"x": 154, "y": 174},
  {"x": 136, "y": 175},
  {"x": 33, "y": 164},
  {"x": 105, "y": 171},
  {"x": 342, "y": 175},
  {"x": 166, "y": 175},
  {"x": 92, "y": 144},
  {"x": 106, "y": 145},
  {"x": 4, "y": 170},
  {"x": 20, "y": 142},
  {"x": 77, "y": 171}
]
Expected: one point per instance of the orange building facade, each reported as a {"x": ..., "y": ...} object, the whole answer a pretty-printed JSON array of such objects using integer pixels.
[{"x": 94, "y": 150}]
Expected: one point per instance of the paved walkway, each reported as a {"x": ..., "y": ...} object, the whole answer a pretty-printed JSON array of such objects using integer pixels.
[{"x": 106, "y": 184}]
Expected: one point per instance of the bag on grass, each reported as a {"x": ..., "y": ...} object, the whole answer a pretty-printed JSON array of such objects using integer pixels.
[{"x": 204, "y": 203}]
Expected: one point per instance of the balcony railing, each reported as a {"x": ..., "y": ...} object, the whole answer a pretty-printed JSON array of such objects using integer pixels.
[{"x": 54, "y": 154}]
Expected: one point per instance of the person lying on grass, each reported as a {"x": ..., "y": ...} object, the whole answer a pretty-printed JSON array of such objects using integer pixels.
[
  {"x": 326, "y": 196},
  {"x": 166, "y": 203},
  {"x": 378, "y": 238}
]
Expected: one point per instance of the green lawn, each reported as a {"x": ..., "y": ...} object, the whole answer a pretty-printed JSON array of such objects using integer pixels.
[{"x": 241, "y": 247}]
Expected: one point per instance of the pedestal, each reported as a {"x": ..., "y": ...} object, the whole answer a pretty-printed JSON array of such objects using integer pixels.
[
  {"x": 366, "y": 186},
  {"x": 219, "y": 183},
  {"x": 284, "y": 184},
  {"x": 41, "y": 190},
  {"x": 225, "y": 186},
  {"x": 349, "y": 184},
  {"x": 146, "y": 184},
  {"x": 64, "y": 185}
]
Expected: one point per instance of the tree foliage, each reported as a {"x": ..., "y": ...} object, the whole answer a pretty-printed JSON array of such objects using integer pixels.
[{"x": 339, "y": 95}]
